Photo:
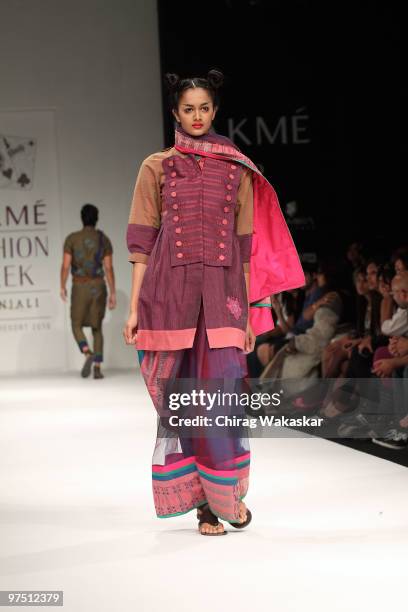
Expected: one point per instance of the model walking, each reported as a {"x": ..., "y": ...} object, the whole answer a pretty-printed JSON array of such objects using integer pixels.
[
  {"x": 206, "y": 236},
  {"x": 88, "y": 253}
]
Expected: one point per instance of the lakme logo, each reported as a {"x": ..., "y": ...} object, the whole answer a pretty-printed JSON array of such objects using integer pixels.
[
  {"x": 23, "y": 242},
  {"x": 287, "y": 129}
]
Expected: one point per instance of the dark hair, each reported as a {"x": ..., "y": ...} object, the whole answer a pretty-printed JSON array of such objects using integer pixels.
[
  {"x": 329, "y": 267},
  {"x": 293, "y": 303},
  {"x": 386, "y": 272},
  {"x": 377, "y": 260},
  {"x": 89, "y": 214},
  {"x": 402, "y": 254},
  {"x": 176, "y": 86},
  {"x": 360, "y": 270},
  {"x": 309, "y": 267}
]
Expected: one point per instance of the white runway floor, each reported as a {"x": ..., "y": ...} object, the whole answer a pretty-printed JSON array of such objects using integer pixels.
[{"x": 329, "y": 530}]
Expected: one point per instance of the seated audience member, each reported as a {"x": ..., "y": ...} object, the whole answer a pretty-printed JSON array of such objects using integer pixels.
[
  {"x": 395, "y": 365},
  {"x": 345, "y": 395},
  {"x": 384, "y": 363},
  {"x": 399, "y": 259},
  {"x": 355, "y": 255},
  {"x": 335, "y": 355},
  {"x": 300, "y": 358},
  {"x": 354, "y": 260},
  {"x": 288, "y": 307},
  {"x": 285, "y": 307}
]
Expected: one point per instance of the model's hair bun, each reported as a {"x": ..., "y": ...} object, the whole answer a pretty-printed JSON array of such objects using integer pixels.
[
  {"x": 215, "y": 78},
  {"x": 171, "y": 80}
]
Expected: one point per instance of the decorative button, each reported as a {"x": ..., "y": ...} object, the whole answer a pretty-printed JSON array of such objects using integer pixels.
[
  {"x": 178, "y": 230},
  {"x": 173, "y": 184},
  {"x": 176, "y": 218},
  {"x": 231, "y": 176},
  {"x": 223, "y": 233},
  {"x": 173, "y": 194},
  {"x": 175, "y": 206},
  {"x": 179, "y": 255},
  {"x": 228, "y": 198},
  {"x": 222, "y": 257},
  {"x": 179, "y": 243},
  {"x": 173, "y": 173},
  {"x": 171, "y": 163},
  {"x": 232, "y": 167},
  {"x": 226, "y": 208},
  {"x": 224, "y": 221},
  {"x": 221, "y": 245},
  {"x": 229, "y": 187}
]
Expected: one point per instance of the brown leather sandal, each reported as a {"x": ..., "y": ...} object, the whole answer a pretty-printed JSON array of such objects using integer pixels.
[{"x": 206, "y": 516}]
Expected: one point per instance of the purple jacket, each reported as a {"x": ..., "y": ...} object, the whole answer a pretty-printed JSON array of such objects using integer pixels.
[{"x": 202, "y": 214}]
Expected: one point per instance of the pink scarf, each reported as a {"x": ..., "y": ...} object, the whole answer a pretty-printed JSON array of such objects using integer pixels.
[{"x": 274, "y": 265}]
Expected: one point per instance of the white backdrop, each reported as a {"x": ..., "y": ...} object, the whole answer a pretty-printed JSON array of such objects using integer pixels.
[
  {"x": 96, "y": 66},
  {"x": 31, "y": 316}
]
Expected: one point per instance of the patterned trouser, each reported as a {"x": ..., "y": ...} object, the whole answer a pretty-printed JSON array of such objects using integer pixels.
[{"x": 188, "y": 472}]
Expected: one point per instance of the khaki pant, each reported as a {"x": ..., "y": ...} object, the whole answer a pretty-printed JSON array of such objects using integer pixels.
[{"x": 88, "y": 305}]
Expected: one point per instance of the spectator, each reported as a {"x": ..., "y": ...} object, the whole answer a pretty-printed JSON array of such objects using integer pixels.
[
  {"x": 393, "y": 362},
  {"x": 301, "y": 357}
]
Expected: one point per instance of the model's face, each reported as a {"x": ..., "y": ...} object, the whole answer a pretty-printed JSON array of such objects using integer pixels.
[{"x": 196, "y": 111}]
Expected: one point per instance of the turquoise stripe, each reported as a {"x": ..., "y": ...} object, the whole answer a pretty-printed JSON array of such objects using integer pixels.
[
  {"x": 140, "y": 355},
  {"x": 259, "y": 304},
  {"x": 243, "y": 463},
  {"x": 219, "y": 479},
  {"x": 174, "y": 473}
]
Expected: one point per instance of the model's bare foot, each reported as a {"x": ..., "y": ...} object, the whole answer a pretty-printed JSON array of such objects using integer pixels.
[
  {"x": 242, "y": 512},
  {"x": 207, "y": 527}
]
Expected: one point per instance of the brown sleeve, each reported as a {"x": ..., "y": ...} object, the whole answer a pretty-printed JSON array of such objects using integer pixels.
[
  {"x": 68, "y": 248},
  {"x": 107, "y": 246},
  {"x": 245, "y": 205},
  {"x": 145, "y": 212}
]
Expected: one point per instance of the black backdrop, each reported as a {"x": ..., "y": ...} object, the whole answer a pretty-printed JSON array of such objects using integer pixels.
[{"x": 317, "y": 91}]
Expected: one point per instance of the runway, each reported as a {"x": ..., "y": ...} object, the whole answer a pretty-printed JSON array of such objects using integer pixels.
[{"x": 329, "y": 529}]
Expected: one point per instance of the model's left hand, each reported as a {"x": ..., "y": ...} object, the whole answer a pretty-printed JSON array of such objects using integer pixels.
[{"x": 249, "y": 339}]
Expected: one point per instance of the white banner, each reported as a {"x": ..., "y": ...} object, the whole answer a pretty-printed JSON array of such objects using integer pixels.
[{"x": 32, "y": 316}]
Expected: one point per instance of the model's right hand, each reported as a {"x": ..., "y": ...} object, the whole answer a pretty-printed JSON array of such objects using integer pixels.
[{"x": 130, "y": 329}]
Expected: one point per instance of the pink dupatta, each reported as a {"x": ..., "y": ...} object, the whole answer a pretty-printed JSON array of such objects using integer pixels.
[{"x": 274, "y": 264}]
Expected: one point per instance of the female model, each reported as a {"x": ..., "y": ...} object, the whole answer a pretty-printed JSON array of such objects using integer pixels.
[{"x": 206, "y": 237}]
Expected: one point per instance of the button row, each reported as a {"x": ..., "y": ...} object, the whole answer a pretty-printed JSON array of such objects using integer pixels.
[
  {"x": 220, "y": 257},
  {"x": 224, "y": 221},
  {"x": 226, "y": 209}
]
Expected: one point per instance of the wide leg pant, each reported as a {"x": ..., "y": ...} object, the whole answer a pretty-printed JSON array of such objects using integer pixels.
[{"x": 187, "y": 472}]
